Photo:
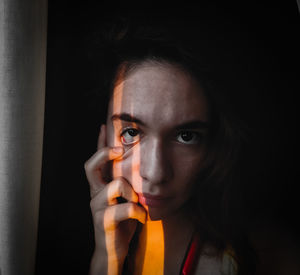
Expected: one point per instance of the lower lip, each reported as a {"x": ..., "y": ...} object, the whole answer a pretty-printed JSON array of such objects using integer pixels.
[{"x": 152, "y": 202}]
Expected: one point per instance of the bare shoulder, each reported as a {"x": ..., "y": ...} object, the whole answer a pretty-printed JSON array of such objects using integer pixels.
[{"x": 210, "y": 264}]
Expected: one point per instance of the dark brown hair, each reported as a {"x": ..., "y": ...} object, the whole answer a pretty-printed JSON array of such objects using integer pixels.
[{"x": 130, "y": 45}]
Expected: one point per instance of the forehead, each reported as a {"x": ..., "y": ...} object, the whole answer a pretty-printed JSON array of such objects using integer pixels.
[{"x": 160, "y": 94}]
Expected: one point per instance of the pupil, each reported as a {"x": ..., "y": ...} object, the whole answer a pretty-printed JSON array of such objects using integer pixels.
[
  {"x": 186, "y": 136},
  {"x": 132, "y": 132}
]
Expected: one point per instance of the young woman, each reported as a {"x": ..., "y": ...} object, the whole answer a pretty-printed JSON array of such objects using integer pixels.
[{"x": 166, "y": 159}]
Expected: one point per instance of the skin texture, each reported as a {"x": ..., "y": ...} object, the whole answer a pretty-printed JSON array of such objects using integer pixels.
[
  {"x": 157, "y": 117},
  {"x": 159, "y": 162},
  {"x": 111, "y": 238}
]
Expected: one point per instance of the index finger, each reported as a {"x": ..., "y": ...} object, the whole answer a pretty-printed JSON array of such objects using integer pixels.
[
  {"x": 95, "y": 165},
  {"x": 102, "y": 137}
]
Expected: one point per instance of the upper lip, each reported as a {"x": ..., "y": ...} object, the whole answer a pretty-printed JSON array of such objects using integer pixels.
[{"x": 153, "y": 197}]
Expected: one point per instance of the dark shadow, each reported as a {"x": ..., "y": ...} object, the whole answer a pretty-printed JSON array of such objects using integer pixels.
[{"x": 264, "y": 55}]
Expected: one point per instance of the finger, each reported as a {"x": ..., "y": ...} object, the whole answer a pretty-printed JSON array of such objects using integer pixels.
[
  {"x": 105, "y": 171},
  {"x": 108, "y": 196},
  {"x": 115, "y": 214},
  {"x": 94, "y": 166},
  {"x": 102, "y": 137},
  {"x": 121, "y": 188}
]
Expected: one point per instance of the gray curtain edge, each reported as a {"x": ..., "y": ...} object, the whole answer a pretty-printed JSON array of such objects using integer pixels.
[{"x": 23, "y": 35}]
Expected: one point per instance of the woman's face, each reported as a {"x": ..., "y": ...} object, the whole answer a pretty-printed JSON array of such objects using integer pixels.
[{"x": 160, "y": 115}]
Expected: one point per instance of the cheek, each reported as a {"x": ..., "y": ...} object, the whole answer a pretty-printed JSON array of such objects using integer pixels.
[
  {"x": 188, "y": 160},
  {"x": 187, "y": 168}
]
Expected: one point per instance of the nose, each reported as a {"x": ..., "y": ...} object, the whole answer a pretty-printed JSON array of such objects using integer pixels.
[{"x": 155, "y": 165}]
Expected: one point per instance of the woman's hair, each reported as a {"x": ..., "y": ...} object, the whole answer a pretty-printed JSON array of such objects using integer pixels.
[{"x": 130, "y": 45}]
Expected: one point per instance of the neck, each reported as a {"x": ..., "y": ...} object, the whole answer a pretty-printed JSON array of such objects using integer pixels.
[{"x": 162, "y": 245}]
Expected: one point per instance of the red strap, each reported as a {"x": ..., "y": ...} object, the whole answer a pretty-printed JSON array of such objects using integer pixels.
[{"x": 192, "y": 257}]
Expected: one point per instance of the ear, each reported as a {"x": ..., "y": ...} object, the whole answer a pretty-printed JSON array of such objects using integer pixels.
[{"x": 102, "y": 138}]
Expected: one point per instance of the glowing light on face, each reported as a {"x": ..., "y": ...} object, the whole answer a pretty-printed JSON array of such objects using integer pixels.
[
  {"x": 110, "y": 215},
  {"x": 117, "y": 124},
  {"x": 159, "y": 115},
  {"x": 131, "y": 137}
]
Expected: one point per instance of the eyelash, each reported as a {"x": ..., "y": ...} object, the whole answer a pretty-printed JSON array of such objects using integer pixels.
[
  {"x": 126, "y": 130},
  {"x": 137, "y": 133},
  {"x": 196, "y": 135}
]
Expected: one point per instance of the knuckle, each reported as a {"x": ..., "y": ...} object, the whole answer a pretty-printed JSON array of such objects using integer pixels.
[
  {"x": 121, "y": 180},
  {"x": 92, "y": 204},
  {"x": 114, "y": 188},
  {"x": 103, "y": 153},
  {"x": 122, "y": 184},
  {"x": 87, "y": 165}
]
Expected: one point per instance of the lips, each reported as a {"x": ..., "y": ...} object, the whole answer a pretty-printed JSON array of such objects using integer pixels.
[{"x": 151, "y": 200}]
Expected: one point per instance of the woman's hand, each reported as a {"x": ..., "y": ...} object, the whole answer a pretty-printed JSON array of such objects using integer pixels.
[{"x": 114, "y": 223}]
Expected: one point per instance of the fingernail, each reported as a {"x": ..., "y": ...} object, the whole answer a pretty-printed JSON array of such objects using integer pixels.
[{"x": 118, "y": 150}]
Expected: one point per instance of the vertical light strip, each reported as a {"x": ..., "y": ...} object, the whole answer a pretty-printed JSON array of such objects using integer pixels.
[
  {"x": 150, "y": 257},
  {"x": 23, "y": 29},
  {"x": 117, "y": 170},
  {"x": 117, "y": 124}
]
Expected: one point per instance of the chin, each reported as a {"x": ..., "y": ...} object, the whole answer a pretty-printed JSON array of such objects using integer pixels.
[{"x": 164, "y": 213}]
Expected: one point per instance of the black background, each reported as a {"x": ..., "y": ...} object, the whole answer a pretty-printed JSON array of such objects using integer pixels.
[{"x": 270, "y": 35}]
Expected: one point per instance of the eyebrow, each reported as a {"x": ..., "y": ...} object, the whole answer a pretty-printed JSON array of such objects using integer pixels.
[
  {"x": 127, "y": 117},
  {"x": 194, "y": 124}
]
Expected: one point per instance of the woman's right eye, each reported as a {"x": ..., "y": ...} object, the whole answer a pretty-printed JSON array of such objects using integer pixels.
[{"x": 130, "y": 136}]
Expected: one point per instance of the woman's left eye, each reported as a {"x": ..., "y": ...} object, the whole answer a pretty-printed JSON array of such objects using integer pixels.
[
  {"x": 130, "y": 136},
  {"x": 188, "y": 137}
]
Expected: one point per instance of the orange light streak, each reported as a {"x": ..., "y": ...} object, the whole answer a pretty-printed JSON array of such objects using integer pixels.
[
  {"x": 149, "y": 258},
  {"x": 117, "y": 170}
]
